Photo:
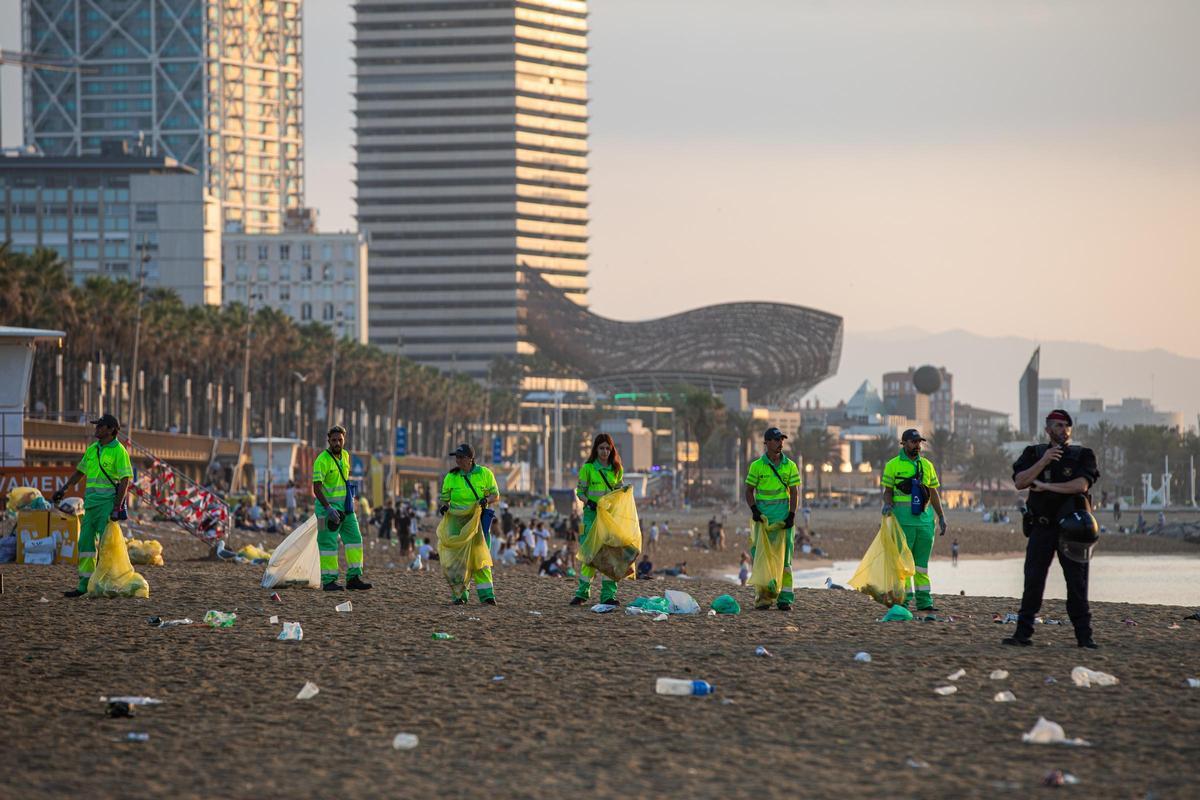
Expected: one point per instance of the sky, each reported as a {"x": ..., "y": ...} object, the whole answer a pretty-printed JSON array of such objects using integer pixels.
[{"x": 1007, "y": 167}]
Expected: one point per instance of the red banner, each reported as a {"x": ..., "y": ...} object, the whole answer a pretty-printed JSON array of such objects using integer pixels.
[{"x": 47, "y": 480}]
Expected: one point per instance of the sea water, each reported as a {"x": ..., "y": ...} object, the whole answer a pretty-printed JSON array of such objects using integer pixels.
[{"x": 1155, "y": 580}]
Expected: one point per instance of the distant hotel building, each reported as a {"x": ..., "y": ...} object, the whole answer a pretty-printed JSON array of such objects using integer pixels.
[
  {"x": 900, "y": 397},
  {"x": 213, "y": 84},
  {"x": 114, "y": 213},
  {"x": 472, "y": 162},
  {"x": 311, "y": 277}
]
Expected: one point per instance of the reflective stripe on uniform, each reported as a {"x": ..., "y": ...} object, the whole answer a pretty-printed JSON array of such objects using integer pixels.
[{"x": 480, "y": 586}]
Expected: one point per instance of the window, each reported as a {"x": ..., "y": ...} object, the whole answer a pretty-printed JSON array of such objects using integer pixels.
[
  {"x": 285, "y": 293},
  {"x": 285, "y": 272},
  {"x": 145, "y": 212},
  {"x": 350, "y": 274},
  {"x": 327, "y": 312},
  {"x": 327, "y": 273},
  {"x": 327, "y": 252},
  {"x": 285, "y": 252},
  {"x": 264, "y": 273},
  {"x": 264, "y": 252},
  {"x": 241, "y": 252},
  {"x": 305, "y": 252},
  {"x": 348, "y": 293},
  {"x": 348, "y": 252},
  {"x": 349, "y": 312},
  {"x": 306, "y": 272},
  {"x": 306, "y": 311}
]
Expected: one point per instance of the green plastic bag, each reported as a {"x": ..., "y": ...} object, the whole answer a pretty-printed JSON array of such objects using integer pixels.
[
  {"x": 726, "y": 604},
  {"x": 897, "y": 613},
  {"x": 659, "y": 604}
]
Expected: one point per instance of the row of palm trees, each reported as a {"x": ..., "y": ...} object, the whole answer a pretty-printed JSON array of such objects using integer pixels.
[{"x": 206, "y": 345}]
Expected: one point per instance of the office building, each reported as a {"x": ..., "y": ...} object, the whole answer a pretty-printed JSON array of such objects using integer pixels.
[
  {"x": 472, "y": 162},
  {"x": 935, "y": 411},
  {"x": 311, "y": 277},
  {"x": 974, "y": 424},
  {"x": 214, "y": 84},
  {"x": 114, "y": 213},
  {"x": 1129, "y": 413}
]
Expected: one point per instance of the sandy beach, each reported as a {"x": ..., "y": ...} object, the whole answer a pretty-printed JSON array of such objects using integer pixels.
[{"x": 575, "y": 711}]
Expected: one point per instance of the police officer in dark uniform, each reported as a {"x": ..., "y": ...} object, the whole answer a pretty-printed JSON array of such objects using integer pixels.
[{"x": 1059, "y": 477}]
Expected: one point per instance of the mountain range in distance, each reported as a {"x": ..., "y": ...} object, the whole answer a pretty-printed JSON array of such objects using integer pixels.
[{"x": 987, "y": 369}]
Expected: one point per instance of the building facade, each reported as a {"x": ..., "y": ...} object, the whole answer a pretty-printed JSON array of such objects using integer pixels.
[
  {"x": 472, "y": 165},
  {"x": 902, "y": 398},
  {"x": 116, "y": 215},
  {"x": 214, "y": 84},
  {"x": 978, "y": 424},
  {"x": 311, "y": 277}
]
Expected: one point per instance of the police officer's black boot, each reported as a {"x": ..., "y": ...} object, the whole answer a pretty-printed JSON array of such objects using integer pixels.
[{"x": 1089, "y": 643}]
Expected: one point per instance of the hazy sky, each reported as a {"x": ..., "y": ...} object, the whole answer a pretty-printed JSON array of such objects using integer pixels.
[{"x": 1004, "y": 166}]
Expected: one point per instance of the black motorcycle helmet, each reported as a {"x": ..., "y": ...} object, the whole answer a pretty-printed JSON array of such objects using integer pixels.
[{"x": 1078, "y": 533}]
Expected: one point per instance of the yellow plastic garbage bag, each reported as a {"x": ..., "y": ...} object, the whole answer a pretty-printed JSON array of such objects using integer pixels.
[
  {"x": 462, "y": 549},
  {"x": 147, "y": 552},
  {"x": 22, "y": 496},
  {"x": 114, "y": 575},
  {"x": 886, "y": 567},
  {"x": 296, "y": 560},
  {"x": 253, "y": 553},
  {"x": 770, "y": 546},
  {"x": 612, "y": 546}
]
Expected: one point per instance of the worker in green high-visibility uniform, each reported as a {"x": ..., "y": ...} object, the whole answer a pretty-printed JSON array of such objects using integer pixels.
[
  {"x": 773, "y": 493},
  {"x": 910, "y": 487},
  {"x": 599, "y": 475},
  {"x": 105, "y": 465},
  {"x": 466, "y": 485},
  {"x": 335, "y": 515}
]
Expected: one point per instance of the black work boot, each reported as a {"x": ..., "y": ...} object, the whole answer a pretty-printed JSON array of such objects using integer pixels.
[
  {"x": 1017, "y": 641},
  {"x": 576, "y": 601},
  {"x": 1089, "y": 643},
  {"x": 333, "y": 586},
  {"x": 357, "y": 584},
  {"x": 74, "y": 593}
]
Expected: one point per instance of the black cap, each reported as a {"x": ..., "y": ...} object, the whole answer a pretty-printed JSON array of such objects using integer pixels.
[
  {"x": 773, "y": 434},
  {"x": 108, "y": 420},
  {"x": 912, "y": 435},
  {"x": 465, "y": 450}
]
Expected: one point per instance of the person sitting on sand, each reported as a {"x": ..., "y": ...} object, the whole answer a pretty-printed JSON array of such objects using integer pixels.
[
  {"x": 507, "y": 556},
  {"x": 644, "y": 568},
  {"x": 673, "y": 572}
]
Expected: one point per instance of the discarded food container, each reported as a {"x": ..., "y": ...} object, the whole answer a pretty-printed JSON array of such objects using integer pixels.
[
  {"x": 405, "y": 741},
  {"x": 956, "y": 675},
  {"x": 220, "y": 619},
  {"x": 998, "y": 674},
  {"x": 441, "y": 636},
  {"x": 677, "y": 686},
  {"x": 275, "y": 596},
  {"x": 292, "y": 632},
  {"x": 762, "y": 651},
  {"x": 946, "y": 690},
  {"x": 344, "y": 607},
  {"x": 1004, "y": 697},
  {"x": 864, "y": 657},
  {"x": 308, "y": 691}
]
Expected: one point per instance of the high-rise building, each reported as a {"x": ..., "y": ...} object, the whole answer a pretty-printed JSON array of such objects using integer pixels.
[
  {"x": 114, "y": 215},
  {"x": 472, "y": 167},
  {"x": 214, "y": 84}
]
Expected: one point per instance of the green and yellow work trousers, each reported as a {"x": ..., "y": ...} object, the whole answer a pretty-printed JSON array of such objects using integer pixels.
[
  {"x": 482, "y": 578},
  {"x": 918, "y": 532},
  {"x": 608, "y": 587},
  {"x": 95, "y": 520},
  {"x": 777, "y": 511},
  {"x": 327, "y": 543}
]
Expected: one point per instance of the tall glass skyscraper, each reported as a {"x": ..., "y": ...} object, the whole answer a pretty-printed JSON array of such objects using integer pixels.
[
  {"x": 472, "y": 165},
  {"x": 214, "y": 84}
]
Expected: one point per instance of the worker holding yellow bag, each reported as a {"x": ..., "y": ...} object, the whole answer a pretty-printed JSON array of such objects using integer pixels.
[
  {"x": 772, "y": 492},
  {"x": 114, "y": 575},
  {"x": 611, "y": 549},
  {"x": 467, "y": 493},
  {"x": 887, "y": 567}
]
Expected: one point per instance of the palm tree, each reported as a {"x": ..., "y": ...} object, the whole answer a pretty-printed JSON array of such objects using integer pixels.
[
  {"x": 818, "y": 447},
  {"x": 879, "y": 450},
  {"x": 700, "y": 412}
]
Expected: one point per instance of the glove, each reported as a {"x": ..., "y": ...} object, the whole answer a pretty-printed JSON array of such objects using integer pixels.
[
  {"x": 887, "y": 510},
  {"x": 790, "y": 519},
  {"x": 442, "y": 509},
  {"x": 755, "y": 513},
  {"x": 57, "y": 497},
  {"x": 334, "y": 518},
  {"x": 592, "y": 505},
  {"x": 483, "y": 503}
]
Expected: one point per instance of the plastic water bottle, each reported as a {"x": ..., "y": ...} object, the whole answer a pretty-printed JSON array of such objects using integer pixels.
[
  {"x": 441, "y": 636},
  {"x": 676, "y": 686}
]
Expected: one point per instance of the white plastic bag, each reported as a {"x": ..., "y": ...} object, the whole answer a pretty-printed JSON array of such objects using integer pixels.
[
  {"x": 296, "y": 560},
  {"x": 1049, "y": 732},
  {"x": 1082, "y": 676},
  {"x": 681, "y": 602}
]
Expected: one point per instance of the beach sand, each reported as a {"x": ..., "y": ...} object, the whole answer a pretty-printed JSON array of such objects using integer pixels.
[{"x": 576, "y": 713}]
